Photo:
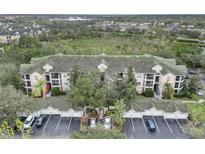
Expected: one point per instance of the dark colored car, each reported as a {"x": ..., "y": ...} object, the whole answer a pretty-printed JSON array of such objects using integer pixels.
[
  {"x": 150, "y": 124},
  {"x": 40, "y": 121},
  {"x": 194, "y": 71}
]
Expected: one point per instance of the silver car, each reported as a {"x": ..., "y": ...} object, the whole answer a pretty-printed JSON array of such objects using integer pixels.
[
  {"x": 107, "y": 122},
  {"x": 93, "y": 122}
]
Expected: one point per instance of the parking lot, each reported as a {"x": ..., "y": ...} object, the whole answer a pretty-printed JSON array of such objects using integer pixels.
[
  {"x": 56, "y": 126},
  {"x": 165, "y": 128}
]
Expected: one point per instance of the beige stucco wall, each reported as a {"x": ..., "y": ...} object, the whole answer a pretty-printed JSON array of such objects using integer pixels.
[
  {"x": 139, "y": 78},
  {"x": 34, "y": 77}
]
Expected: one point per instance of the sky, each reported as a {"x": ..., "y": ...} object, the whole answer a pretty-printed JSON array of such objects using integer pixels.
[{"x": 102, "y": 6}]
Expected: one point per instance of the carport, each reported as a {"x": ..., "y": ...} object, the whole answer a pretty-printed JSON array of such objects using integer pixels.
[
  {"x": 169, "y": 118},
  {"x": 154, "y": 107},
  {"x": 58, "y": 124},
  {"x": 53, "y": 111}
]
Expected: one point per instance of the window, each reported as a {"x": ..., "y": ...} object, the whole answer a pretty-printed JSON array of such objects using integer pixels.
[
  {"x": 149, "y": 83},
  {"x": 54, "y": 75},
  {"x": 119, "y": 75},
  {"x": 150, "y": 76},
  {"x": 176, "y": 85},
  {"x": 137, "y": 83},
  {"x": 157, "y": 79},
  {"x": 28, "y": 83},
  {"x": 28, "y": 77},
  {"x": 55, "y": 82},
  {"x": 47, "y": 78},
  {"x": 177, "y": 78},
  {"x": 102, "y": 78}
]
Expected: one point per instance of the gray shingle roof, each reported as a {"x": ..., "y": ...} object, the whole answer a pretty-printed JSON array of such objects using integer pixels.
[
  {"x": 116, "y": 63},
  {"x": 165, "y": 105}
]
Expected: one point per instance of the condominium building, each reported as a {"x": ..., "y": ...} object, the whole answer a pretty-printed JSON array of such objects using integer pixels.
[{"x": 150, "y": 71}]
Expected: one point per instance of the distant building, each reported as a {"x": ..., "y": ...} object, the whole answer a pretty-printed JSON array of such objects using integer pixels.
[
  {"x": 151, "y": 72},
  {"x": 8, "y": 37}
]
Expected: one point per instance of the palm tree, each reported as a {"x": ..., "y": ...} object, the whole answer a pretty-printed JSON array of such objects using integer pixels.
[
  {"x": 38, "y": 88},
  {"x": 168, "y": 91}
]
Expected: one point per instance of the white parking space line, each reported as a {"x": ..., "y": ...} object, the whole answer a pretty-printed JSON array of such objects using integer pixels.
[
  {"x": 34, "y": 123},
  {"x": 168, "y": 125},
  {"x": 180, "y": 126},
  {"x": 69, "y": 125},
  {"x": 58, "y": 124},
  {"x": 144, "y": 124},
  {"x": 45, "y": 125},
  {"x": 132, "y": 124},
  {"x": 156, "y": 124}
]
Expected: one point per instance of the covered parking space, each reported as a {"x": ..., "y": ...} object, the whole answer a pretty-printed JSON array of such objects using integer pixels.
[
  {"x": 58, "y": 124},
  {"x": 153, "y": 107},
  {"x": 169, "y": 118}
]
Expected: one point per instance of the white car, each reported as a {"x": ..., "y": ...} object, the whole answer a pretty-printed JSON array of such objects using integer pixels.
[
  {"x": 29, "y": 121},
  {"x": 201, "y": 93},
  {"x": 107, "y": 122},
  {"x": 92, "y": 122}
]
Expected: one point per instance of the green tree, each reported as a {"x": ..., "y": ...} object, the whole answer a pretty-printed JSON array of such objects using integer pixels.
[
  {"x": 87, "y": 92},
  {"x": 196, "y": 113},
  {"x": 25, "y": 133},
  {"x": 117, "y": 117},
  {"x": 75, "y": 74},
  {"x": 12, "y": 101},
  {"x": 168, "y": 91},
  {"x": 125, "y": 90},
  {"x": 193, "y": 86},
  {"x": 6, "y": 132},
  {"x": 9, "y": 75},
  {"x": 98, "y": 133},
  {"x": 29, "y": 42},
  {"x": 38, "y": 88},
  {"x": 202, "y": 61},
  {"x": 195, "y": 132},
  {"x": 131, "y": 75}
]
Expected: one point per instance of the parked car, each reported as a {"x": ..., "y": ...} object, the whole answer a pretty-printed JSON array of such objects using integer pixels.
[
  {"x": 40, "y": 121},
  {"x": 92, "y": 122},
  {"x": 201, "y": 93},
  {"x": 150, "y": 124},
  {"x": 29, "y": 121},
  {"x": 194, "y": 71},
  {"x": 107, "y": 122}
]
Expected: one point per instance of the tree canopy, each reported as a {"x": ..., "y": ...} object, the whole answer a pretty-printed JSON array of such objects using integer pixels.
[{"x": 12, "y": 101}]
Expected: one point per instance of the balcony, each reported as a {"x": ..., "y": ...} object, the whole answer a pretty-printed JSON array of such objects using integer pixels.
[{"x": 150, "y": 77}]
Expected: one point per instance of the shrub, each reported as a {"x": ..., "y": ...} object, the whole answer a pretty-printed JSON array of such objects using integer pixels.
[
  {"x": 180, "y": 94},
  {"x": 109, "y": 113},
  {"x": 148, "y": 92},
  {"x": 55, "y": 91}
]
